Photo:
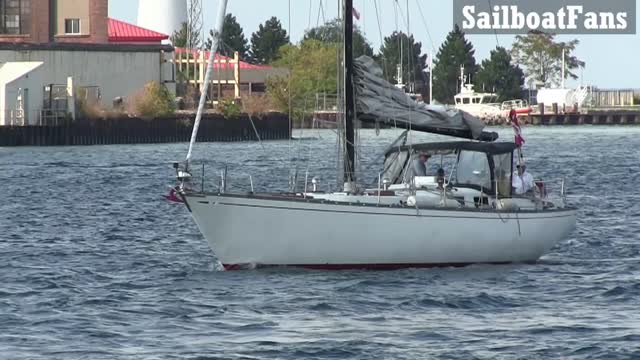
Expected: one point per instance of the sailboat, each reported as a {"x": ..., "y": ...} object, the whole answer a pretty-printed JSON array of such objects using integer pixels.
[{"x": 409, "y": 219}]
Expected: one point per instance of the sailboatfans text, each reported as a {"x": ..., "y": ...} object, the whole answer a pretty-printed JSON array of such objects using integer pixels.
[{"x": 563, "y": 17}]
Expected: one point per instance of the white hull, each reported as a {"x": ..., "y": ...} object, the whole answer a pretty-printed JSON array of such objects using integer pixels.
[{"x": 252, "y": 231}]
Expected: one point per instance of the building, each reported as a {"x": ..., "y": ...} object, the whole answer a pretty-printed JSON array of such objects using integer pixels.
[
  {"x": 231, "y": 77},
  {"x": 53, "y": 50},
  {"x": 54, "y": 21},
  {"x": 121, "y": 32}
]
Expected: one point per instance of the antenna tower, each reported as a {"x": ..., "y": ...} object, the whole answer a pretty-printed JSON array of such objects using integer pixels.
[{"x": 195, "y": 24}]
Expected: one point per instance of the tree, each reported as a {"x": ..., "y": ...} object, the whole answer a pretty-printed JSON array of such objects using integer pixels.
[
  {"x": 455, "y": 52},
  {"x": 180, "y": 38},
  {"x": 232, "y": 38},
  {"x": 498, "y": 74},
  {"x": 332, "y": 32},
  {"x": 541, "y": 56},
  {"x": 266, "y": 42},
  {"x": 411, "y": 58},
  {"x": 312, "y": 69}
]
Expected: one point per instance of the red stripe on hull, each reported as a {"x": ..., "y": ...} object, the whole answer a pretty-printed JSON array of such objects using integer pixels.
[{"x": 231, "y": 267}]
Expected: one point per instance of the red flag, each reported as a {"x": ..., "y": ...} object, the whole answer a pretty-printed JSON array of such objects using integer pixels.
[
  {"x": 519, "y": 140},
  {"x": 356, "y": 14},
  {"x": 173, "y": 196}
]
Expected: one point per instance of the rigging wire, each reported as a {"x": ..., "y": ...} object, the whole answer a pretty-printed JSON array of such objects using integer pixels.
[
  {"x": 494, "y": 30},
  {"x": 310, "y": 10},
  {"x": 229, "y": 50},
  {"x": 384, "y": 60},
  {"x": 289, "y": 95},
  {"x": 410, "y": 64},
  {"x": 424, "y": 22},
  {"x": 321, "y": 12}
]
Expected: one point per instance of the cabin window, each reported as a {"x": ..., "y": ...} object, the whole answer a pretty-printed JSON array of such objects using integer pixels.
[
  {"x": 473, "y": 170},
  {"x": 476, "y": 100},
  {"x": 458, "y": 101},
  {"x": 502, "y": 172},
  {"x": 466, "y": 101}
]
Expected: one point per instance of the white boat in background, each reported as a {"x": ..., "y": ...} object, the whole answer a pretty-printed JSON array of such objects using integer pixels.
[
  {"x": 481, "y": 105},
  {"x": 485, "y": 105},
  {"x": 409, "y": 219}
]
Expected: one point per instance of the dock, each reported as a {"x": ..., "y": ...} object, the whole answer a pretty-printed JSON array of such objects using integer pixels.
[{"x": 588, "y": 116}]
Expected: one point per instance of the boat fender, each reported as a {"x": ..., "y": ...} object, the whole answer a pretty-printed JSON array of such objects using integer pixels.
[
  {"x": 507, "y": 204},
  {"x": 450, "y": 204}
]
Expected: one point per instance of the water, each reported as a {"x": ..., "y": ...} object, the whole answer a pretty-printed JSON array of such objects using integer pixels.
[{"x": 94, "y": 264}]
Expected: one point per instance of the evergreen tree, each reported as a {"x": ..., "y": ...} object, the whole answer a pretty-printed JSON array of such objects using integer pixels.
[
  {"x": 267, "y": 41},
  {"x": 456, "y": 51},
  {"x": 232, "y": 38},
  {"x": 412, "y": 60},
  {"x": 498, "y": 74},
  {"x": 180, "y": 38},
  {"x": 332, "y": 32}
]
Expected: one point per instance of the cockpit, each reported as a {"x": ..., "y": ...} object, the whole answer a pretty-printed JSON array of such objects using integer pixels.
[{"x": 485, "y": 167}]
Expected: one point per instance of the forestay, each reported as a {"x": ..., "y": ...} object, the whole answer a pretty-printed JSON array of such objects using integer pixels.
[{"x": 378, "y": 101}]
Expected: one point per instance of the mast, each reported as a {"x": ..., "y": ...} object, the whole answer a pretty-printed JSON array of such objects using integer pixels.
[
  {"x": 217, "y": 35},
  {"x": 563, "y": 67},
  {"x": 349, "y": 101}
]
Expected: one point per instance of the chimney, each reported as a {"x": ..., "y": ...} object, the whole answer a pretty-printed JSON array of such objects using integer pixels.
[
  {"x": 99, "y": 13},
  {"x": 40, "y": 20}
]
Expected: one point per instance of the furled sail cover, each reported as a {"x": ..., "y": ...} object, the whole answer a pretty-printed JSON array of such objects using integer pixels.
[{"x": 379, "y": 101}]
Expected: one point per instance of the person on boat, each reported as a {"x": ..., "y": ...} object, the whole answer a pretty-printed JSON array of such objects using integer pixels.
[
  {"x": 522, "y": 181},
  {"x": 440, "y": 179},
  {"x": 420, "y": 165}
]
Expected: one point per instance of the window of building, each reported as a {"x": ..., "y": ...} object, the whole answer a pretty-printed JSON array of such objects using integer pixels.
[
  {"x": 15, "y": 17},
  {"x": 72, "y": 26}
]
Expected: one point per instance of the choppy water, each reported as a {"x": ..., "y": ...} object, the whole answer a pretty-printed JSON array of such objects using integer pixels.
[{"x": 94, "y": 264}]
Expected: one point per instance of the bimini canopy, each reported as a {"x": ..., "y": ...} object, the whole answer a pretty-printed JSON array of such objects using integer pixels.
[
  {"x": 378, "y": 101},
  {"x": 478, "y": 165},
  {"x": 445, "y": 148}
]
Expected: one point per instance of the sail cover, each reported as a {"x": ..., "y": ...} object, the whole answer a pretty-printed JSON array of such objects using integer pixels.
[{"x": 378, "y": 101}]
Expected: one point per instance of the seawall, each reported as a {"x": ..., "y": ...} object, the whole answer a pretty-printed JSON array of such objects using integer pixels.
[{"x": 126, "y": 130}]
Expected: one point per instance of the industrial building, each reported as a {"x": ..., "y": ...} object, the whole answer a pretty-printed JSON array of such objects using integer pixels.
[{"x": 50, "y": 50}]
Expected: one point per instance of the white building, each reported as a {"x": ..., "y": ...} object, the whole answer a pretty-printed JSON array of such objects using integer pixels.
[
  {"x": 17, "y": 79},
  {"x": 28, "y": 72}
]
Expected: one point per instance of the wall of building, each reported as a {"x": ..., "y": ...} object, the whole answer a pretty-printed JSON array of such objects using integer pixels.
[
  {"x": 116, "y": 73},
  {"x": 47, "y": 22},
  {"x": 72, "y": 9},
  {"x": 34, "y": 24},
  {"x": 93, "y": 15},
  {"x": 15, "y": 77},
  {"x": 33, "y": 97}
]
